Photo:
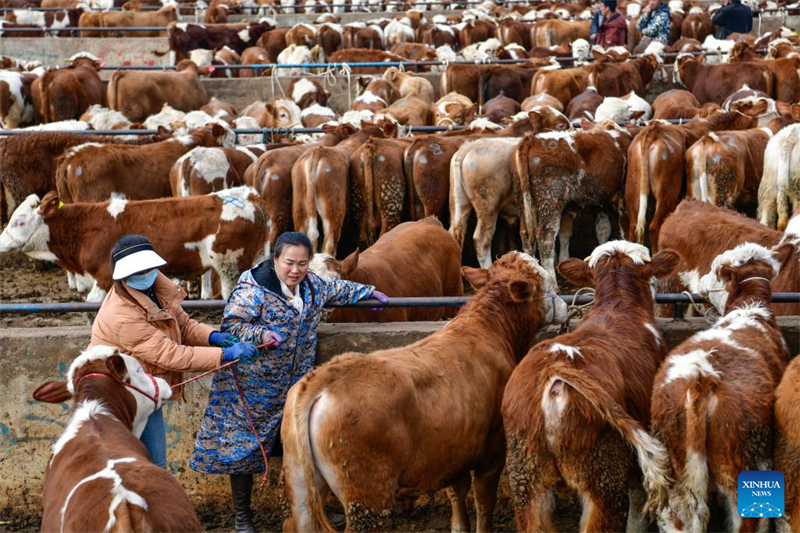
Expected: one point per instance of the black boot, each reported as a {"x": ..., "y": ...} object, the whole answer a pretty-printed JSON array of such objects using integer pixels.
[{"x": 241, "y": 486}]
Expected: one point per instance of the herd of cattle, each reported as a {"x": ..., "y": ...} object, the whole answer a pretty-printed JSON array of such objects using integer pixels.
[{"x": 567, "y": 131}]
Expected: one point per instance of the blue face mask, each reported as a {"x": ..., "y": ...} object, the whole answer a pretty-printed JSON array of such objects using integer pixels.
[{"x": 142, "y": 282}]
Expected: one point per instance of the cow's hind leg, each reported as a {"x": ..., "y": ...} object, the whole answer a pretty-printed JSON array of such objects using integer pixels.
[
  {"x": 605, "y": 496},
  {"x": 484, "y": 232},
  {"x": 485, "y": 489},
  {"x": 457, "y": 492}
]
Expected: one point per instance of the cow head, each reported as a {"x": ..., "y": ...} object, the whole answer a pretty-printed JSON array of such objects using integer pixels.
[
  {"x": 521, "y": 279},
  {"x": 618, "y": 264},
  {"x": 146, "y": 393},
  {"x": 732, "y": 270},
  {"x": 327, "y": 267},
  {"x": 87, "y": 59},
  {"x": 26, "y": 230},
  {"x": 286, "y": 113}
]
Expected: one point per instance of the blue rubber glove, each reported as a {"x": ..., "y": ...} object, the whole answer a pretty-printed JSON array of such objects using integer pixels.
[
  {"x": 382, "y": 298},
  {"x": 223, "y": 340},
  {"x": 244, "y": 351}
]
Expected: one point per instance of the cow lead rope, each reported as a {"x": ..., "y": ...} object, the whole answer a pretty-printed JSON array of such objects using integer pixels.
[{"x": 265, "y": 478}]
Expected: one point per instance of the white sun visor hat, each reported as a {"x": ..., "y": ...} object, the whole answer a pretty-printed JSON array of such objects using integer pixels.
[{"x": 135, "y": 259}]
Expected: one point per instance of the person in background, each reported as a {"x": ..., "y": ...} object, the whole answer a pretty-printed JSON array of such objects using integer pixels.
[
  {"x": 142, "y": 317},
  {"x": 278, "y": 305},
  {"x": 654, "y": 23},
  {"x": 733, "y": 17},
  {"x": 597, "y": 19},
  {"x": 614, "y": 28}
]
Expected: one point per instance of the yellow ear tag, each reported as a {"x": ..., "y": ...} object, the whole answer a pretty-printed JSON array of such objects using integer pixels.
[{"x": 60, "y": 204}]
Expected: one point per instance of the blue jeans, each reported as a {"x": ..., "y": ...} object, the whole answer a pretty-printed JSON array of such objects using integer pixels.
[{"x": 154, "y": 438}]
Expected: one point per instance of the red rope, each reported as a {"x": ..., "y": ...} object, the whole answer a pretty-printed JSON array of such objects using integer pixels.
[{"x": 230, "y": 364}]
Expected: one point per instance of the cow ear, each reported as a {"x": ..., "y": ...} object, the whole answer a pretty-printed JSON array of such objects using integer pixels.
[
  {"x": 52, "y": 392},
  {"x": 598, "y": 55},
  {"x": 784, "y": 254},
  {"x": 727, "y": 274},
  {"x": 637, "y": 114},
  {"x": 469, "y": 113},
  {"x": 363, "y": 81},
  {"x": 586, "y": 124},
  {"x": 217, "y": 130},
  {"x": 477, "y": 277},
  {"x": 521, "y": 290},
  {"x": 116, "y": 365},
  {"x": 349, "y": 265},
  {"x": 664, "y": 263},
  {"x": 50, "y": 205},
  {"x": 576, "y": 272}
]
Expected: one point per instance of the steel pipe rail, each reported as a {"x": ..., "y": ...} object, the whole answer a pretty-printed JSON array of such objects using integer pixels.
[
  {"x": 285, "y": 131},
  {"x": 447, "y": 301}
]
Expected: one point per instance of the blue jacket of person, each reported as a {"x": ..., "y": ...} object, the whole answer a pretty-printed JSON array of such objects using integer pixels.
[
  {"x": 734, "y": 17},
  {"x": 656, "y": 24}
]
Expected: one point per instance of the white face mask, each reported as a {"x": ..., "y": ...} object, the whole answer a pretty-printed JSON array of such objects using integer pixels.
[{"x": 142, "y": 282}]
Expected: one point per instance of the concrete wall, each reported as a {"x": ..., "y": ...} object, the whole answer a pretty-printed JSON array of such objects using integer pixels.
[{"x": 28, "y": 429}]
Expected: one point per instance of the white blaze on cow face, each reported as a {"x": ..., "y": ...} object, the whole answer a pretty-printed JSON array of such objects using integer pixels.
[
  {"x": 555, "y": 309},
  {"x": 26, "y": 232},
  {"x": 302, "y": 88},
  {"x": 236, "y": 203},
  {"x": 713, "y": 288},
  {"x": 287, "y": 113},
  {"x": 638, "y": 253}
]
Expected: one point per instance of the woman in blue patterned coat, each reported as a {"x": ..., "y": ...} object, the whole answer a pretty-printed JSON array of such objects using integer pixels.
[{"x": 278, "y": 303}]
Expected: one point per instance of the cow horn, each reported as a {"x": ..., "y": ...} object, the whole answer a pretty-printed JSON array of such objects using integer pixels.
[{"x": 587, "y": 258}]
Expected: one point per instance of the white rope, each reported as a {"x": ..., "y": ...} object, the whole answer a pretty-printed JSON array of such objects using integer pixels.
[
  {"x": 347, "y": 71},
  {"x": 577, "y": 311}
]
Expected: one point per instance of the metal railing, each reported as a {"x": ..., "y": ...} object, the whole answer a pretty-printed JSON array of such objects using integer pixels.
[{"x": 446, "y": 301}]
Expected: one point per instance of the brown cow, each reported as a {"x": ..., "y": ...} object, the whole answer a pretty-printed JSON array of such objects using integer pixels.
[
  {"x": 374, "y": 94},
  {"x": 272, "y": 177},
  {"x": 656, "y": 164},
  {"x": 306, "y": 92},
  {"x": 725, "y": 167},
  {"x": 675, "y": 104},
  {"x": 408, "y": 111},
  {"x": 415, "y": 52},
  {"x": 141, "y": 94},
  {"x": 127, "y": 19},
  {"x": 787, "y": 445},
  {"x": 28, "y": 162},
  {"x": 460, "y": 430},
  {"x": 320, "y": 189},
  {"x": 454, "y": 109},
  {"x": 377, "y": 187},
  {"x": 224, "y": 231},
  {"x": 696, "y": 26},
  {"x": 426, "y": 162},
  {"x": 714, "y": 83},
  {"x": 66, "y": 93},
  {"x": 427, "y": 255},
  {"x": 712, "y": 399},
  {"x": 99, "y": 461},
  {"x": 700, "y": 231},
  {"x": 204, "y": 170},
  {"x": 555, "y": 32},
  {"x": 183, "y": 37},
  {"x": 563, "y": 85},
  {"x": 500, "y": 107},
  {"x": 255, "y": 55},
  {"x": 480, "y": 83},
  {"x": 94, "y": 172},
  {"x": 437, "y": 35},
  {"x": 546, "y": 165},
  {"x": 17, "y": 104},
  {"x": 584, "y": 105},
  {"x": 575, "y": 406},
  {"x": 481, "y": 181},
  {"x": 618, "y": 79}
]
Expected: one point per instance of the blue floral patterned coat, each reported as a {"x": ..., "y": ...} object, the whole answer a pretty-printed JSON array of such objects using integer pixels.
[
  {"x": 656, "y": 25},
  {"x": 225, "y": 443}
]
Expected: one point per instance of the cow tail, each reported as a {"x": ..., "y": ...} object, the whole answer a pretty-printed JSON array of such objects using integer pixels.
[
  {"x": 692, "y": 488},
  {"x": 301, "y": 473},
  {"x": 367, "y": 156},
  {"x": 782, "y": 181},
  {"x": 652, "y": 454},
  {"x": 408, "y": 170},
  {"x": 456, "y": 192},
  {"x": 111, "y": 92},
  {"x": 63, "y": 167},
  {"x": 529, "y": 215},
  {"x": 770, "y": 84},
  {"x": 644, "y": 186},
  {"x": 44, "y": 96}
]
